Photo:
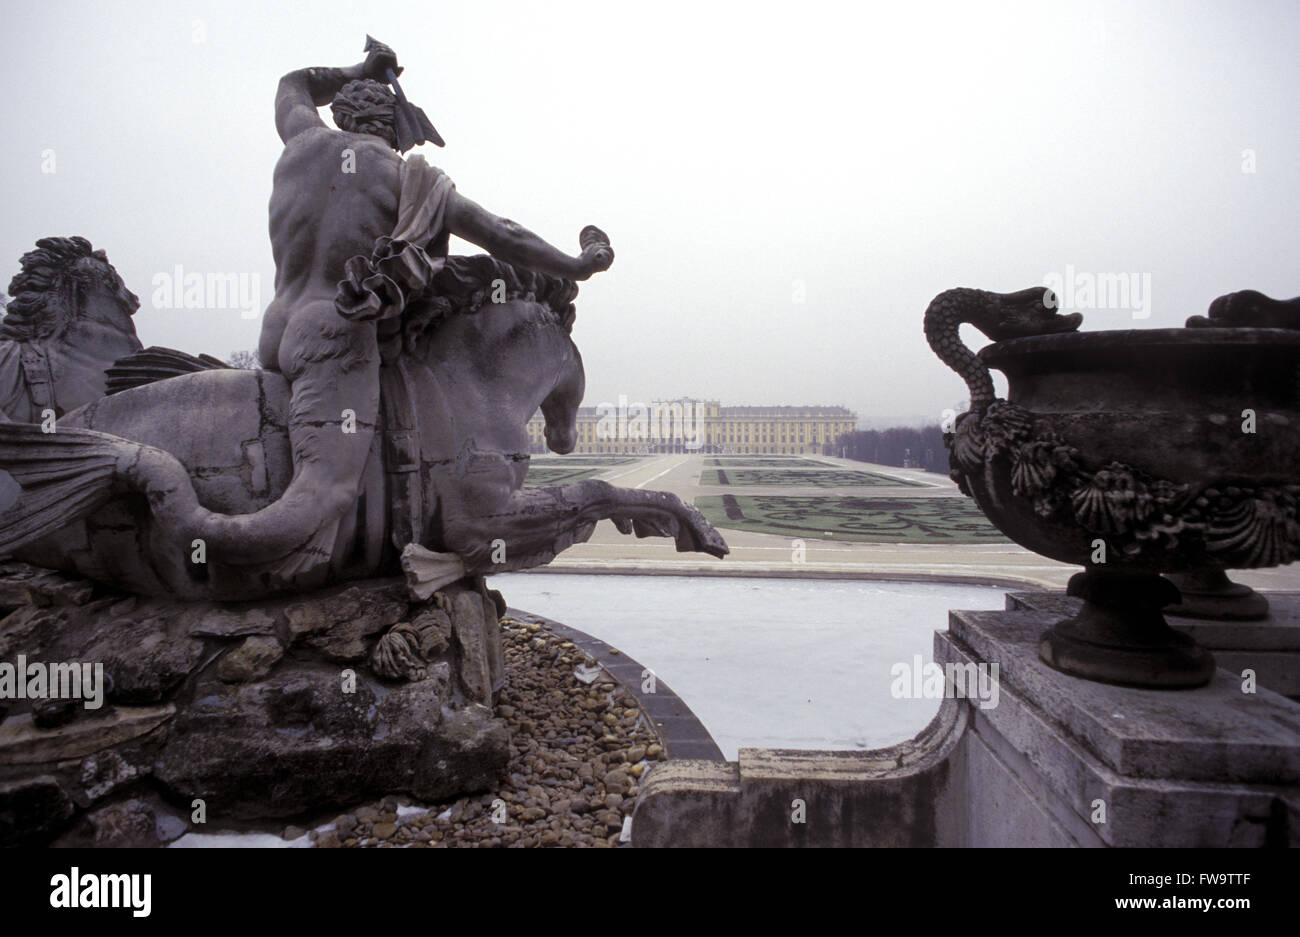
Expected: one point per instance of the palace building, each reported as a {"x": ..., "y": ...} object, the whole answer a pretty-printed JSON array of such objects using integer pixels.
[{"x": 687, "y": 425}]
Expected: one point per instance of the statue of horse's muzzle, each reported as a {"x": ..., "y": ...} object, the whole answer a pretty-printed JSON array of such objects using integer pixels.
[{"x": 561, "y": 440}]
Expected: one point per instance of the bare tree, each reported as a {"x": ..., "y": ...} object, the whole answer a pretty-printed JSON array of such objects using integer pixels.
[{"x": 247, "y": 360}]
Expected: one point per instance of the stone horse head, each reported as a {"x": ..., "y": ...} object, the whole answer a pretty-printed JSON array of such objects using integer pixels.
[
  {"x": 69, "y": 319},
  {"x": 493, "y": 325}
]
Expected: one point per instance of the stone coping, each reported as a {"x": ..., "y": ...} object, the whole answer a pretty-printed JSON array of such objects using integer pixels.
[
  {"x": 1215, "y": 733},
  {"x": 683, "y": 735},
  {"x": 758, "y": 571}
]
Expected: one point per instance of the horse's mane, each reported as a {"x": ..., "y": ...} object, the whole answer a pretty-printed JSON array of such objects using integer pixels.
[
  {"x": 465, "y": 284},
  {"x": 30, "y": 316}
]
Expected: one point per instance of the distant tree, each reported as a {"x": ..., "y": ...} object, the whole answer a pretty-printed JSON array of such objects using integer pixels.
[
  {"x": 247, "y": 360},
  {"x": 892, "y": 447}
]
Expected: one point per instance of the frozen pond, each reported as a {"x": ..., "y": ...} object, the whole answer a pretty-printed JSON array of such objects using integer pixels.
[{"x": 766, "y": 663}]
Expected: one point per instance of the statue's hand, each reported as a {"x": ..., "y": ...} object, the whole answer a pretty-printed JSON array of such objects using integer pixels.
[
  {"x": 379, "y": 60},
  {"x": 597, "y": 255}
]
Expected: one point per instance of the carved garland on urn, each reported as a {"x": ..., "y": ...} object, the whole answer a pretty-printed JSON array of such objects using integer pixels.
[{"x": 1233, "y": 526}]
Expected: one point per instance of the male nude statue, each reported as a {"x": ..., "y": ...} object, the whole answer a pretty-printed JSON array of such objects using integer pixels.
[{"x": 335, "y": 193}]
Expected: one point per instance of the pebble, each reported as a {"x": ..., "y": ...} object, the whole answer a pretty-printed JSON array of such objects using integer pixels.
[
  {"x": 618, "y": 781},
  {"x": 577, "y": 752}
]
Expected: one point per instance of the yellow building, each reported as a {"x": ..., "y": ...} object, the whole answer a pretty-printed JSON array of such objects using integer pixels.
[{"x": 687, "y": 425}]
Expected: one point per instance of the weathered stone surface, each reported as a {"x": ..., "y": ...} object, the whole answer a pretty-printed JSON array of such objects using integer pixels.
[
  {"x": 340, "y": 627},
  {"x": 23, "y": 743},
  {"x": 32, "y": 809},
  {"x": 1216, "y": 734},
  {"x": 478, "y": 640},
  {"x": 22, "y": 584},
  {"x": 144, "y": 660},
  {"x": 305, "y": 744},
  {"x": 228, "y": 623},
  {"x": 137, "y": 822},
  {"x": 261, "y": 710},
  {"x": 130, "y": 823},
  {"x": 104, "y": 773},
  {"x": 251, "y": 660},
  {"x": 475, "y": 674}
]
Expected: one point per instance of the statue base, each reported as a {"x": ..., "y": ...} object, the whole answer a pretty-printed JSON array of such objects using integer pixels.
[
  {"x": 237, "y": 712},
  {"x": 1211, "y": 595},
  {"x": 1120, "y": 636}
]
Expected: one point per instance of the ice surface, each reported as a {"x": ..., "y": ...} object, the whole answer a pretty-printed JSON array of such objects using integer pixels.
[{"x": 766, "y": 663}]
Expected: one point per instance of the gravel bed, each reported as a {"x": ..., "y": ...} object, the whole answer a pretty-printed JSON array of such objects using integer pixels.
[{"x": 578, "y": 751}]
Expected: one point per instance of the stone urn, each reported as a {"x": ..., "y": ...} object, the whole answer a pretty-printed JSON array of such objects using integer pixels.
[{"x": 1132, "y": 453}]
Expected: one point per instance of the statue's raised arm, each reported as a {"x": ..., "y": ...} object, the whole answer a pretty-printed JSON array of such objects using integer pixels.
[{"x": 301, "y": 92}]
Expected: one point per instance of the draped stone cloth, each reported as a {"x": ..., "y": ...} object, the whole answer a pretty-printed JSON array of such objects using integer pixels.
[
  {"x": 399, "y": 268},
  {"x": 378, "y": 288}
]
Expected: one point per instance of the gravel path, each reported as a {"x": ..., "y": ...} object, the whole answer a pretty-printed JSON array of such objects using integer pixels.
[{"x": 578, "y": 751}]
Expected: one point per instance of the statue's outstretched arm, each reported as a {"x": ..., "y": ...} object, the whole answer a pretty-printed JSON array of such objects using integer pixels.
[{"x": 512, "y": 242}]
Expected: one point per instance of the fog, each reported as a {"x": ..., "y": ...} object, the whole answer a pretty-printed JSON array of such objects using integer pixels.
[{"x": 786, "y": 185}]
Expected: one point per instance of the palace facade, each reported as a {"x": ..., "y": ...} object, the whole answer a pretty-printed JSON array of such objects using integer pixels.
[{"x": 688, "y": 425}]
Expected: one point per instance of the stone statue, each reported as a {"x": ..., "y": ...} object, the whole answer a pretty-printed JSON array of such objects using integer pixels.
[
  {"x": 390, "y": 415},
  {"x": 69, "y": 320},
  {"x": 269, "y": 660}
]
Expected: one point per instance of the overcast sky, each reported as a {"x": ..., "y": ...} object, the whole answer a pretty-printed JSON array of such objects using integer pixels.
[{"x": 786, "y": 185}]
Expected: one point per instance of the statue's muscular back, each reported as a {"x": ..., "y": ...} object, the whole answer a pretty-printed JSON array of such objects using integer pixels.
[{"x": 321, "y": 216}]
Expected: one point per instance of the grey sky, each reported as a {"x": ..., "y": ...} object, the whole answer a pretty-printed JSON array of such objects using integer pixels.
[{"x": 861, "y": 157}]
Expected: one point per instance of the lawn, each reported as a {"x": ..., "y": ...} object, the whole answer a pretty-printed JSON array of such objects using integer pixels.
[
  {"x": 547, "y": 475},
  {"x": 862, "y": 520}
]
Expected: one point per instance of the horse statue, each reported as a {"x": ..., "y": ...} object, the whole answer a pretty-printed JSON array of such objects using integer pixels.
[
  {"x": 442, "y": 494},
  {"x": 68, "y": 321}
]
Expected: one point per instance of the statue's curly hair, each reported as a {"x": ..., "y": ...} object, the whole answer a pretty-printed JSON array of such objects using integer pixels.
[
  {"x": 56, "y": 263},
  {"x": 366, "y": 106}
]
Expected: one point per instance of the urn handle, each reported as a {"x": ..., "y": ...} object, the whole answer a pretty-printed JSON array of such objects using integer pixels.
[{"x": 1000, "y": 316}]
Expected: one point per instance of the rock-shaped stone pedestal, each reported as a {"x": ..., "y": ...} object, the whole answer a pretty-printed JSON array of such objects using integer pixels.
[
  {"x": 259, "y": 710},
  {"x": 1055, "y": 761}
]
